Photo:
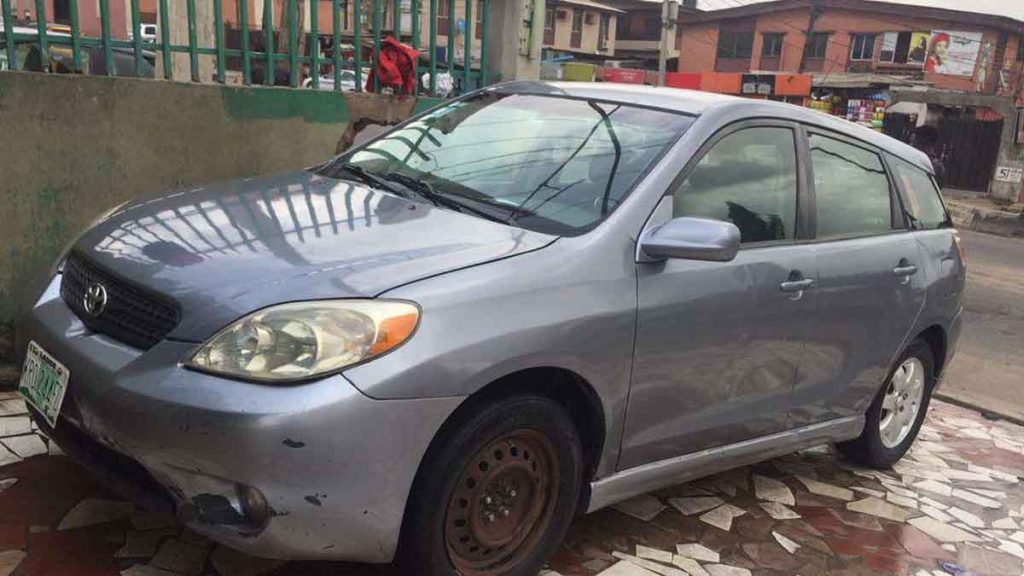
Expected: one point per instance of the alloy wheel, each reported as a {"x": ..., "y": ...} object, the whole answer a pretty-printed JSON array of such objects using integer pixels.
[{"x": 902, "y": 402}]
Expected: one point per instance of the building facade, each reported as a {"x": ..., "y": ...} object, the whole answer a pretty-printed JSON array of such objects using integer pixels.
[
  {"x": 580, "y": 29},
  {"x": 943, "y": 49}
]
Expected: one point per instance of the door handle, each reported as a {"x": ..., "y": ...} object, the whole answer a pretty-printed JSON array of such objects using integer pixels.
[
  {"x": 797, "y": 285},
  {"x": 908, "y": 270}
]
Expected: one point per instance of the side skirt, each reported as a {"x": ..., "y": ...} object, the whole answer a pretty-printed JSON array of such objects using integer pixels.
[{"x": 648, "y": 477}]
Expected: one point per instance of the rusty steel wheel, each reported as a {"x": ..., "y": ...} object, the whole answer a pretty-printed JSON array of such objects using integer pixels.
[{"x": 502, "y": 503}]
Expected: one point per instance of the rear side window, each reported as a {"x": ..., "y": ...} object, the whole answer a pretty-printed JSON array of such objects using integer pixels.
[
  {"x": 923, "y": 198},
  {"x": 747, "y": 178},
  {"x": 851, "y": 189}
]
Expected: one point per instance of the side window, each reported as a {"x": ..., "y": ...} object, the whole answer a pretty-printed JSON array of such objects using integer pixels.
[
  {"x": 851, "y": 189},
  {"x": 923, "y": 200},
  {"x": 748, "y": 178}
]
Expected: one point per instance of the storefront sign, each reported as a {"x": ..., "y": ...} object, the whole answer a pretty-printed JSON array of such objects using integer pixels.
[
  {"x": 953, "y": 53},
  {"x": 624, "y": 75},
  {"x": 1009, "y": 175}
]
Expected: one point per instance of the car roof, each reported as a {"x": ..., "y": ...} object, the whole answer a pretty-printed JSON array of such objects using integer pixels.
[{"x": 698, "y": 103}]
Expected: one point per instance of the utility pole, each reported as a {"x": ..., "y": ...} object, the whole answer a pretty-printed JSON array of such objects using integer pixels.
[
  {"x": 669, "y": 16},
  {"x": 816, "y": 11}
]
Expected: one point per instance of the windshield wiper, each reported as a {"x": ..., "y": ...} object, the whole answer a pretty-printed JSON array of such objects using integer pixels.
[
  {"x": 367, "y": 177},
  {"x": 450, "y": 201}
]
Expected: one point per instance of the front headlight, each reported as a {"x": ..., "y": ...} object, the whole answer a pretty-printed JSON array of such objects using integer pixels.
[{"x": 306, "y": 339}]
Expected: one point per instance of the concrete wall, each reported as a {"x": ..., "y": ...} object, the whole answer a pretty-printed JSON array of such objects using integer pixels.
[{"x": 72, "y": 147}]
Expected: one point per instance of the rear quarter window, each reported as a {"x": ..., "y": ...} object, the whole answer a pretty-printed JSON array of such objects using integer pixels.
[{"x": 924, "y": 201}]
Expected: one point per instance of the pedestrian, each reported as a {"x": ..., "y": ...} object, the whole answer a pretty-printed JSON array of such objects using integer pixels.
[{"x": 926, "y": 139}]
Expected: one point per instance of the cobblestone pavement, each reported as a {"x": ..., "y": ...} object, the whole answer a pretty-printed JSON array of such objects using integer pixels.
[{"x": 952, "y": 506}]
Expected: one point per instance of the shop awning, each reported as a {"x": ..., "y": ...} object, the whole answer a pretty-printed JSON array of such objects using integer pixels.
[{"x": 863, "y": 80}]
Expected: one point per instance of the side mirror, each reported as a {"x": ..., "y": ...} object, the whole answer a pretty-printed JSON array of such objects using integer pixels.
[{"x": 692, "y": 239}]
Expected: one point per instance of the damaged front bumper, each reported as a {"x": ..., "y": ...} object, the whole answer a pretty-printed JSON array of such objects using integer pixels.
[{"x": 315, "y": 471}]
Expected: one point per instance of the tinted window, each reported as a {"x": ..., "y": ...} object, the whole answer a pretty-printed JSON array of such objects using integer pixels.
[
  {"x": 923, "y": 200},
  {"x": 852, "y": 190},
  {"x": 545, "y": 163},
  {"x": 749, "y": 179}
]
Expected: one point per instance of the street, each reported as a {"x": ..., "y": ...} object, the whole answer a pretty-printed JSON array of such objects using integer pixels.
[{"x": 987, "y": 371}]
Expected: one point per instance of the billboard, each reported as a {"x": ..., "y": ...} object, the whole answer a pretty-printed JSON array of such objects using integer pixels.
[
  {"x": 953, "y": 53},
  {"x": 919, "y": 42}
]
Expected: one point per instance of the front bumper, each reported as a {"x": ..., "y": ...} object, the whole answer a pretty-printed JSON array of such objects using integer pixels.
[{"x": 335, "y": 466}]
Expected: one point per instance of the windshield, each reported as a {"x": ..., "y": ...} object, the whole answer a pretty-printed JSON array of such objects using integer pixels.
[{"x": 545, "y": 163}]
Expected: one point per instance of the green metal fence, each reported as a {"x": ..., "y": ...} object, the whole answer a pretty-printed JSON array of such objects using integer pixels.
[{"x": 364, "y": 37}]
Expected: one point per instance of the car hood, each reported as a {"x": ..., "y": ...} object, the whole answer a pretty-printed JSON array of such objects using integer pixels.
[{"x": 223, "y": 251}]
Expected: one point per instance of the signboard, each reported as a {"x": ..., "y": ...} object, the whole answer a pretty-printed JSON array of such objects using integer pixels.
[
  {"x": 757, "y": 84},
  {"x": 953, "y": 53},
  {"x": 1009, "y": 175},
  {"x": 624, "y": 75},
  {"x": 919, "y": 42}
]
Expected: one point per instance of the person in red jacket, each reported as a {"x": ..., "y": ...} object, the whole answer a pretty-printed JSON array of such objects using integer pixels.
[{"x": 395, "y": 69}]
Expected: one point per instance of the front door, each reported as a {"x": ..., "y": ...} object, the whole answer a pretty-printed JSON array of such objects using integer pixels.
[{"x": 718, "y": 344}]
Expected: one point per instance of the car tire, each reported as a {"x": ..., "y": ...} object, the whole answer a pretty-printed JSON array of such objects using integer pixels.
[
  {"x": 880, "y": 446},
  {"x": 496, "y": 492}
]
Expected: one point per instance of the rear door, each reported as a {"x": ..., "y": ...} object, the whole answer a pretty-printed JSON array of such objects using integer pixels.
[
  {"x": 718, "y": 344},
  {"x": 869, "y": 282}
]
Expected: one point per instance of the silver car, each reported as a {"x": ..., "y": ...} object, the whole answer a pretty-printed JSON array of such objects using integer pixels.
[{"x": 534, "y": 301}]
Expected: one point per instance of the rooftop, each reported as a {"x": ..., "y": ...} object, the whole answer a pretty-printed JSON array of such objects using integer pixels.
[{"x": 591, "y": 4}]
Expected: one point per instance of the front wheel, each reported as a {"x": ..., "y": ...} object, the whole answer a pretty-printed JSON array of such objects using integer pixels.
[
  {"x": 895, "y": 416},
  {"x": 496, "y": 492}
]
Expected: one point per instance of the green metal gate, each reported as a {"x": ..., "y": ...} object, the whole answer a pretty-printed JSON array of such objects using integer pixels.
[{"x": 43, "y": 38}]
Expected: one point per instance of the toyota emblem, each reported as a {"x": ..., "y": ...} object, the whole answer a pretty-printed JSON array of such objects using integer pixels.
[{"x": 95, "y": 299}]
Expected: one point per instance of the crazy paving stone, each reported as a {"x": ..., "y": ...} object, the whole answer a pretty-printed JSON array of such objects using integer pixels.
[
  {"x": 772, "y": 490},
  {"x": 1012, "y": 548},
  {"x": 15, "y": 426},
  {"x": 695, "y": 505},
  {"x": 989, "y": 562},
  {"x": 143, "y": 544},
  {"x": 655, "y": 554},
  {"x": 644, "y": 507},
  {"x": 868, "y": 491},
  {"x": 724, "y": 570},
  {"x": 778, "y": 511},
  {"x": 697, "y": 552},
  {"x": 881, "y": 508},
  {"x": 95, "y": 511},
  {"x": 722, "y": 516},
  {"x": 942, "y": 531},
  {"x": 936, "y": 513},
  {"x": 10, "y": 560},
  {"x": 786, "y": 543},
  {"x": 824, "y": 489},
  {"x": 649, "y": 565},
  {"x": 933, "y": 503},
  {"x": 623, "y": 568},
  {"x": 689, "y": 565},
  {"x": 13, "y": 407},
  {"x": 1005, "y": 524},
  {"x": 966, "y": 517},
  {"x": 898, "y": 500},
  {"x": 25, "y": 446},
  {"x": 976, "y": 499},
  {"x": 936, "y": 487}
]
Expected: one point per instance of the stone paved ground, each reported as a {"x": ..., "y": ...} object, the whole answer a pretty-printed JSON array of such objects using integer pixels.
[{"x": 953, "y": 506}]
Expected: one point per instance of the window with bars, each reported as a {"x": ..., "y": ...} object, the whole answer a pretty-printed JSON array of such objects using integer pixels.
[
  {"x": 862, "y": 47},
  {"x": 576, "y": 39},
  {"x": 603, "y": 31}
]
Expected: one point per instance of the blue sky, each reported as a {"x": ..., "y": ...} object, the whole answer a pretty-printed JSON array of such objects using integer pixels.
[{"x": 1012, "y": 8}]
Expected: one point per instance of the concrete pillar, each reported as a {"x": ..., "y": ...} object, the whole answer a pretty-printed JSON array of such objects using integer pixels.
[
  {"x": 1010, "y": 156},
  {"x": 181, "y": 64},
  {"x": 514, "y": 49}
]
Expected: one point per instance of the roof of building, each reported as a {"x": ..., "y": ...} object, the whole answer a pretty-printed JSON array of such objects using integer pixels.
[
  {"x": 591, "y": 4},
  {"x": 893, "y": 9},
  {"x": 698, "y": 103}
]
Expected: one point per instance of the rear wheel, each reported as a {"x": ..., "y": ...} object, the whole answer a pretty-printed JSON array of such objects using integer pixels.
[
  {"x": 897, "y": 412},
  {"x": 496, "y": 493}
]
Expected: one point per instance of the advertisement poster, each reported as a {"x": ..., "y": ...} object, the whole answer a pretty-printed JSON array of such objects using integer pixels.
[
  {"x": 918, "y": 48},
  {"x": 888, "y": 53},
  {"x": 953, "y": 53}
]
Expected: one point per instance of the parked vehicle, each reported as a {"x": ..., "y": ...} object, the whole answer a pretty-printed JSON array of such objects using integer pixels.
[
  {"x": 148, "y": 32},
  {"x": 347, "y": 81},
  {"x": 94, "y": 62},
  {"x": 535, "y": 300}
]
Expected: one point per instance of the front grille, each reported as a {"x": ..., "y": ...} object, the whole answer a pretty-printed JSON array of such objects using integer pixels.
[{"x": 131, "y": 315}]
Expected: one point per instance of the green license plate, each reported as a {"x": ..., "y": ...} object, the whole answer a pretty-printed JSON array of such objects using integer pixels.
[{"x": 44, "y": 381}]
